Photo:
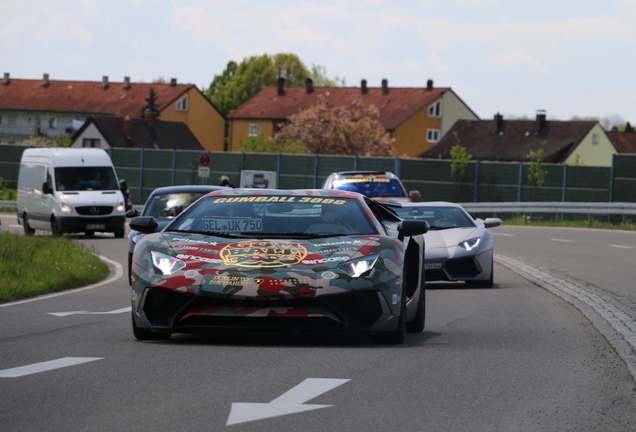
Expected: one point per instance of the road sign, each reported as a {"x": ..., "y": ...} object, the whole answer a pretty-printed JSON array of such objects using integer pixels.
[
  {"x": 204, "y": 160},
  {"x": 204, "y": 172}
]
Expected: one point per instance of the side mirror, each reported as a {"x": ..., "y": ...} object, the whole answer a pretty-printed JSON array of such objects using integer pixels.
[
  {"x": 414, "y": 195},
  {"x": 144, "y": 224},
  {"x": 132, "y": 213},
  {"x": 123, "y": 187},
  {"x": 492, "y": 222},
  {"x": 410, "y": 228},
  {"x": 46, "y": 188}
]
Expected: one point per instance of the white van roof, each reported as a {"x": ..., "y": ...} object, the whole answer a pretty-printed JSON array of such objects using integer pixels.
[{"x": 71, "y": 157}]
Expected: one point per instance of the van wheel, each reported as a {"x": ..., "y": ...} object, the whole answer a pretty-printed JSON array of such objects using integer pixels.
[
  {"x": 55, "y": 230},
  {"x": 27, "y": 228}
]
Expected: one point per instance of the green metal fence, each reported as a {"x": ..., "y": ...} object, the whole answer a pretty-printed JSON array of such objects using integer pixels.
[{"x": 146, "y": 170}]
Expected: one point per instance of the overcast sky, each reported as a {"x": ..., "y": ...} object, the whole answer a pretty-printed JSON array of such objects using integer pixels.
[{"x": 569, "y": 57}]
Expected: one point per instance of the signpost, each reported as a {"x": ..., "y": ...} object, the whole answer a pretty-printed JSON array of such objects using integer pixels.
[{"x": 204, "y": 168}]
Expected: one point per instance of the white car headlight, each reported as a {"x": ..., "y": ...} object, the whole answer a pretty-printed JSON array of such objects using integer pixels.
[
  {"x": 165, "y": 263},
  {"x": 66, "y": 208},
  {"x": 470, "y": 244},
  {"x": 359, "y": 266},
  {"x": 120, "y": 207}
]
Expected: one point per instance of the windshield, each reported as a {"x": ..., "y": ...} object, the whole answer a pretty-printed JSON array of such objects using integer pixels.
[
  {"x": 437, "y": 217},
  {"x": 283, "y": 215},
  {"x": 169, "y": 205},
  {"x": 371, "y": 186},
  {"x": 85, "y": 178}
]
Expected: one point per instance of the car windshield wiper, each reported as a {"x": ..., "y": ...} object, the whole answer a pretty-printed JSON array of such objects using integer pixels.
[
  {"x": 439, "y": 228},
  {"x": 212, "y": 233}
]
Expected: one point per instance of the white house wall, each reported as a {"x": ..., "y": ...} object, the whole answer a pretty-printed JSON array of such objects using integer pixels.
[
  {"x": 91, "y": 132},
  {"x": 18, "y": 126},
  {"x": 454, "y": 109},
  {"x": 593, "y": 154}
]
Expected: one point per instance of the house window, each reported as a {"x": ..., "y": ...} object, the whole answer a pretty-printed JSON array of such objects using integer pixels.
[
  {"x": 253, "y": 130},
  {"x": 432, "y": 135},
  {"x": 182, "y": 104},
  {"x": 52, "y": 123},
  {"x": 13, "y": 120},
  {"x": 594, "y": 138},
  {"x": 435, "y": 110},
  {"x": 91, "y": 142}
]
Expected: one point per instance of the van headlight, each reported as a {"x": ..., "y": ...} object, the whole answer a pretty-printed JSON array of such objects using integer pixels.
[
  {"x": 120, "y": 207},
  {"x": 65, "y": 208}
]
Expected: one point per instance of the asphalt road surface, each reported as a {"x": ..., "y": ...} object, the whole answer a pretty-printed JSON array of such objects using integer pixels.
[{"x": 514, "y": 357}]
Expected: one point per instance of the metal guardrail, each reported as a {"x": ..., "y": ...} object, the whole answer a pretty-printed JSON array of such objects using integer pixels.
[
  {"x": 9, "y": 204},
  {"x": 602, "y": 208}
]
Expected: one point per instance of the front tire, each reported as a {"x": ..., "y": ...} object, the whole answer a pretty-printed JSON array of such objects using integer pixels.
[
  {"x": 398, "y": 335},
  {"x": 130, "y": 257},
  {"x": 488, "y": 283},
  {"x": 27, "y": 228},
  {"x": 417, "y": 325},
  {"x": 55, "y": 230},
  {"x": 145, "y": 334},
  {"x": 120, "y": 233}
]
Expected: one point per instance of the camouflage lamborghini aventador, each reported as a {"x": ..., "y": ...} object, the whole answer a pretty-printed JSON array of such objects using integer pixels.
[{"x": 280, "y": 259}]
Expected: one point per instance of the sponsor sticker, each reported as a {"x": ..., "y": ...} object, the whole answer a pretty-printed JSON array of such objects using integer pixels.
[
  {"x": 326, "y": 260},
  {"x": 191, "y": 274},
  {"x": 285, "y": 199},
  {"x": 256, "y": 253},
  {"x": 395, "y": 299},
  {"x": 199, "y": 258},
  {"x": 328, "y": 275}
]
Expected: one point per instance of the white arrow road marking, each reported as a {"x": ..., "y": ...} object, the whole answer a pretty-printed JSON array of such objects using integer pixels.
[
  {"x": 561, "y": 240},
  {"x": 118, "y": 311},
  {"x": 45, "y": 366},
  {"x": 290, "y": 402},
  {"x": 503, "y": 234}
]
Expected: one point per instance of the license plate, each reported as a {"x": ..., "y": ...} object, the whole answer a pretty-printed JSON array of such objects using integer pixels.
[
  {"x": 432, "y": 266},
  {"x": 95, "y": 226}
]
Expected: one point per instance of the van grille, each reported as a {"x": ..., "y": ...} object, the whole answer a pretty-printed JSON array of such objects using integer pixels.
[{"x": 94, "y": 210}]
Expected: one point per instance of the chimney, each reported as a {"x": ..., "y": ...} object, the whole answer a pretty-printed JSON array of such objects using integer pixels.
[
  {"x": 385, "y": 86},
  {"x": 45, "y": 80},
  {"x": 540, "y": 120},
  {"x": 309, "y": 86},
  {"x": 149, "y": 117},
  {"x": 128, "y": 127},
  {"x": 498, "y": 123},
  {"x": 173, "y": 82},
  {"x": 363, "y": 87},
  {"x": 281, "y": 87},
  {"x": 105, "y": 81},
  {"x": 7, "y": 80},
  {"x": 429, "y": 85},
  {"x": 126, "y": 83}
]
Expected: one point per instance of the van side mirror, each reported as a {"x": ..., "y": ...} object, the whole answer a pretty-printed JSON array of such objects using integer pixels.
[
  {"x": 46, "y": 188},
  {"x": 123, "y": 187}
]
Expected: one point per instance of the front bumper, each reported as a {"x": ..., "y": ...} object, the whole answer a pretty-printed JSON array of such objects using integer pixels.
[
  {"x": 465, "y": 268},
  {"x": 73, "y": 224}
]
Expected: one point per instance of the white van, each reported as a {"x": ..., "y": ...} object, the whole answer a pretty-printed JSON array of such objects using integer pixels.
[{"x": 69, "y": 190}]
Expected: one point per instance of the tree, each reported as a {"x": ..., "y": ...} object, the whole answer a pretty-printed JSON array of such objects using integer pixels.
[
  {"x": 152, "y": 104},
  {"x": 240, "y": 82},
  {"x": 537, "y": 170},
  {"x": 261, "y": 144},
  {"x": 339, "y": 130},
  {"x": 320, "y": 79},
  {"x": 460, "y": 158}
]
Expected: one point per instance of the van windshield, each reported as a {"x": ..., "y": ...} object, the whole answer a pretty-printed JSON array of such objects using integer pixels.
[{"x": 85, "y": 178}]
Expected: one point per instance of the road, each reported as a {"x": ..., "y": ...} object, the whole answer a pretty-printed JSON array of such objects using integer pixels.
[{"x": 514, "y": 357}]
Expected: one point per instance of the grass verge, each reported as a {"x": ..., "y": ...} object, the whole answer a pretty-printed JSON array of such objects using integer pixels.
[
  {"x": 629, "y": 226},
  {"x": 34, "y": 265}
]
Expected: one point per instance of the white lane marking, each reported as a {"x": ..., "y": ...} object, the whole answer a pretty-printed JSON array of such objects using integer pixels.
[
  {"x": 63, "y": 314},
  {"x": 622, "y": 247},
  {"x": 290, "y": 402},
  {"x": 119, "y": 272},
  {"x": 503, "y": 234},
  {"x": 561, "y": 240},
  {"x": 45, "y": 366},
  {"x": 15, "y": 226}
]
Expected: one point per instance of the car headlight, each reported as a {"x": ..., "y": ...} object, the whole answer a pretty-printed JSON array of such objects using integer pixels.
[
  {"x": 470, "y": 244},
  {"x": 165, "y": 263},
  {"x": 120, "y": 207},
  {"x": 66, "y": 208},
  {"x": 359, "y": 266}
]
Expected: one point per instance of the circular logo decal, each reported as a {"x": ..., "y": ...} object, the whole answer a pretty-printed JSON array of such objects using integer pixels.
[
  {"x": 328, "y": 275},
  {"x": 191, "y": 274},
  {"x": 254, "y": 253}
]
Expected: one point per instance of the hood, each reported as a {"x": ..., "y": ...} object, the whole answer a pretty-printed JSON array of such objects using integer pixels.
[
  {"x": 88, "y": 198},
  {"x": 254, "y": 268}
]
